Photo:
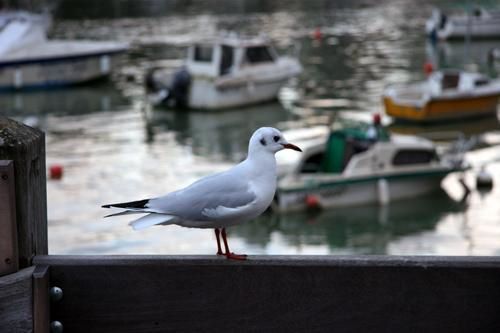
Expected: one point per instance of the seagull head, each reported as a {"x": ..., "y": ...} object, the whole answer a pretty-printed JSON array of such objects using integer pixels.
[{"x": 270, "y": 140}]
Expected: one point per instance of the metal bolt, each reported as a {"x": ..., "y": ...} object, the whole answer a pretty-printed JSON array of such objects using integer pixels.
[
  {"x": 56, "y": 294},
  {"x": 56, "y": 327},
  {"x": 5, "y": 177},
  {"x": 8, "y": 261}
]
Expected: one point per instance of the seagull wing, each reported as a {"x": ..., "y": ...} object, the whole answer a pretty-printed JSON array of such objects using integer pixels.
[{"x": 207, "y": 198}]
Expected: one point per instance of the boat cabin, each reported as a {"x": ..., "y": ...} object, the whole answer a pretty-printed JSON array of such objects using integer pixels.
[
  {"x": 343, "y": 150},
  {"x": 456, "y": 80},
  {"x": 227, "y": 56}
]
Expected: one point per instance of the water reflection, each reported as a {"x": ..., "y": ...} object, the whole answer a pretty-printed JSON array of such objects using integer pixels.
[
  {"x": 367, "y": 229},
  {"x": 223, "y": 134},
  {"x": 477, "y": 126},
  {"x": 77, "y": 100}
]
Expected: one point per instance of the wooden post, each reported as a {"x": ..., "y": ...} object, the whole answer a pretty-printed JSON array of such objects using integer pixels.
[
  {"x": 9, "y": 262},
  {"x": 41, "y": 306},
  {"x": 16, "y": 302},
  {"x": 25, "y": 147}
]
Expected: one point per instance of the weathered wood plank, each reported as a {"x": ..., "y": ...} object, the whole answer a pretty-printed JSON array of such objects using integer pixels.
[
  {"x": 16, "y": 294},
  {"x": 41, "y": 301},
  {"x": 26, "y": 147},
  {"x": 9, "y": 262},
  {"x": 267, "y": 294}
]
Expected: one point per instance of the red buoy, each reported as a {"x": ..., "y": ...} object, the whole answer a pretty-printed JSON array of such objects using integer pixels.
[
  {"x": 312, "y": 201},
  {"x": 317, "y": 34},
  {"x": 56, "y": 171},
  {"x": 428, "y": 67}
]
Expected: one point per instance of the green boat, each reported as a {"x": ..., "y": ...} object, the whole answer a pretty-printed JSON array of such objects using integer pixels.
[{"x": 362, "y": 165}]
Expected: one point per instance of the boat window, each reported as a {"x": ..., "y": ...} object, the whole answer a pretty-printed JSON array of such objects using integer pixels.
[
  {"x": 481, "y": 82},
  {"x": 450, "y": 80},
  {"x": 353, "y": 147},
  {"x": 313, "y": 163},
  {"x": 227, "y": 60},
  {"x": 258, "y": 54},
  {"x": 203, "y": 53},
  {"x": 414, "y": 156}
]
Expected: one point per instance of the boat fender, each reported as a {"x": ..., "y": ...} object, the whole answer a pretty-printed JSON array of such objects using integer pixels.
[
  {"x": 484, "y": 180},
  {"x": 383, "y": 191}
]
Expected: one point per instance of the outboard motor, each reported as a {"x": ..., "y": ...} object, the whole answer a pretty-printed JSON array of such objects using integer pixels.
[
  {"x": 180, "y": 88},
  {"x": 170, "y": 89}
]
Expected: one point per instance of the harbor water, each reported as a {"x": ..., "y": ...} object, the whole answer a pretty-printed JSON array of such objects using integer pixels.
[{"x": 115, "y": 147}]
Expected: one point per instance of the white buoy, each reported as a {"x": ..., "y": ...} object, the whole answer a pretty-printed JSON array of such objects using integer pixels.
[
  {"x": 383, "y": 191},
  {"x": 484, "y": 180}
]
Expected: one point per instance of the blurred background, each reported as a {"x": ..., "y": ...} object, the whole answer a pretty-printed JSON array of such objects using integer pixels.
[{"x": 111, "y": 144}]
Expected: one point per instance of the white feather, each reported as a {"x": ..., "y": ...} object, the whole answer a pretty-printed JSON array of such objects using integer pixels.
[
  {"x": 150, "y": 220},
  {"x": 125, "y": 212}
]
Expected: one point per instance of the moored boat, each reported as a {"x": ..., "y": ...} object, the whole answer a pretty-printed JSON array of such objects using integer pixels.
[
  {"x": 445, "y": 95},
  {"x": 480, "y": 23},
  {"x": 363, "y": 165},
  {"x": 223, "y": 72},
  {"x": 29, "y": 60}
]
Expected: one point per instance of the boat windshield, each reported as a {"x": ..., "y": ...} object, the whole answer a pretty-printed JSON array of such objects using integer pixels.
[{"x": 450, "y": 80}]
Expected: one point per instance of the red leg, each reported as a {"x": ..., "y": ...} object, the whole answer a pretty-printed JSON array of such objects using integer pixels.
[
  {"x": 229, "y": 254},
  {"x": 219, "y": 250}
]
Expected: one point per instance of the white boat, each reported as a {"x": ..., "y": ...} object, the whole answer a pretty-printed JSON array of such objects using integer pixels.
[
  {"x": 29, "y": 60},
  {"x": 445, "y": 95},
  {"x": 361, "y": 165},
  {"x": 479, "y": 24},
  {"x": 223, "y": 72}
]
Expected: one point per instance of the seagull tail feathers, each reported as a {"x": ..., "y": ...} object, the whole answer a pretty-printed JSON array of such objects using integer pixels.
[
  {"x": 150, "y": 220},
  {"x": 131, "y": 204},
  {"x": 125, "y": 212}
]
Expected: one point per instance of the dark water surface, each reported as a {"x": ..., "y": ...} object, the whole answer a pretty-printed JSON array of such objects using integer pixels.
[{"x": 114, "y": 147}]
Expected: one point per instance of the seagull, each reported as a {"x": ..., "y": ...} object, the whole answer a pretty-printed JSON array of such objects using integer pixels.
[{"x": 228, "y": 198}]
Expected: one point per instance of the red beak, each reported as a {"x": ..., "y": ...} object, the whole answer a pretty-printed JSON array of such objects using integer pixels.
[{"x": 291, "y": 146}]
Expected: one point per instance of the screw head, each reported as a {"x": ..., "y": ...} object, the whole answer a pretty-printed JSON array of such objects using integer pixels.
[
  {"x": 56, "y": 327},
  {"x": 56, "y": 294}
]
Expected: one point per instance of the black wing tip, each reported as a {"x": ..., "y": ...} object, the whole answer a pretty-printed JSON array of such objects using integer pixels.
[{"x": 131, "y": 204}]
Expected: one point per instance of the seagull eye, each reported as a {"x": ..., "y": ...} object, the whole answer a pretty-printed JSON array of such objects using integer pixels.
[{"x": 276, "y": 138}]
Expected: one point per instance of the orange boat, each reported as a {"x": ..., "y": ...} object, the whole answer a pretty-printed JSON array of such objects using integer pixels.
[{"x": 445, "y": 95}]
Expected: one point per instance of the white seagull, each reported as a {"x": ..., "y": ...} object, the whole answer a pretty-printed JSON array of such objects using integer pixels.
[{"x": 228, "y": 198}]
